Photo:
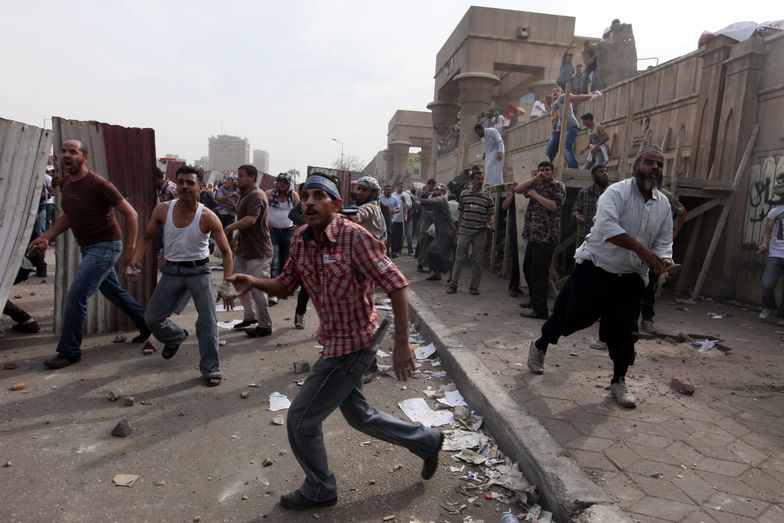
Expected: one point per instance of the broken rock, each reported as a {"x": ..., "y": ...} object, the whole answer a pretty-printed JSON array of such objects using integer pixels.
[
  {"x": 301, "y": 367},
  {"x": 122, "y": 429},
  {"x": 682, "y": 386},
  {"x": 10, "y": 365},
  {"x": 119, "y": 339},
  {"x": 245, "y": 394},
  {"x": 148, "y": 348},
  {"x": 125, "y": 480},
  {"x": 18, "y": 386}
]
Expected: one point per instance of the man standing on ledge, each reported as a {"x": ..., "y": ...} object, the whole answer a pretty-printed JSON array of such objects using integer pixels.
[
  {"x": 187, "y": 225},
  {"x": 88, "y": 202},
  {"x": 632, "y": 234},
  {"x": 494, "y": 154},
  {"x": 338, "y": 262}
]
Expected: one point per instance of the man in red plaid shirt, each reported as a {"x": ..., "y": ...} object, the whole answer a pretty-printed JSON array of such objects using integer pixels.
[{"x": 338, "y": 261}]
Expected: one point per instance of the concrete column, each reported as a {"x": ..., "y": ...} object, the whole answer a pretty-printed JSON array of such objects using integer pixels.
[
  {"x": 398, "y": 162},
  {"x": 476, "y": 95},
  {"x": 428, "y": 162}
]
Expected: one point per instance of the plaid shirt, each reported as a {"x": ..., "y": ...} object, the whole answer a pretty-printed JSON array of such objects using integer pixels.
[
  {"x": 585, "y": 204},
  {"x": 338, "y": 274},
  {"x": 168, "y": 192},
  {"x": 541, "y": 225}
]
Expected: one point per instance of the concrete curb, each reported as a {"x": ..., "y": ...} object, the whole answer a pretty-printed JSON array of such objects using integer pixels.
[{"x": 565, "y": 489}]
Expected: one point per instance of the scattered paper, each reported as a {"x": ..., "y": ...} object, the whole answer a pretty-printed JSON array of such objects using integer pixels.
[
  {"x": 384, "y": 307},
  {"x": 278, "y": 401},
  {"x": 453, "y": 398},
  {"x": 228, "y": 324},
  {"x": 418, "y": 410},
  {"x": 381, "y": 354},
  {"x": 422, "y": 353},
  {"x": 469, "y": 456},
  {"x": 278, "y": 420},
  {"x": 714, "y": 315},
  {"x": 707, "y": 345},
  {"x": 125, "y": 480},
  {"x": 463, "y": 439},
  {"x": 456, "y": 469}
]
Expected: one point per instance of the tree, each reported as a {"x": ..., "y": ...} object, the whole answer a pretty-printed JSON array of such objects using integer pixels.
[
  {"x": 294, "y": 173},
  {"x": 348, "y": 163}
]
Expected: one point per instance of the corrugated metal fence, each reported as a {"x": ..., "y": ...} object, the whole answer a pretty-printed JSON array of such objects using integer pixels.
[{"x": 24, "y": 150}]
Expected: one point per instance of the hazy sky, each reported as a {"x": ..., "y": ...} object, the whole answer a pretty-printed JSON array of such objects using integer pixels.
[{"x": 288, "y": 75}]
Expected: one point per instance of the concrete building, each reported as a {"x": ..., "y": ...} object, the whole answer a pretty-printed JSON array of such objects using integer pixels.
[
  {"x": 261, "y": 160},
  {"x": 226, "y": 153},
  {"x": 203, "y": 162}
]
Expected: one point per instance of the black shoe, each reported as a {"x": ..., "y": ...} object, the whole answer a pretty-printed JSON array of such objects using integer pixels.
[
  {"x": 259, "y": 332},
  {"x": 530, "y": 313},
  {"x": 143, "y": 336},
  {"x": 514, "y": 293},
  {"x": 27, "y": 328},
  {"x": 394, "y": 255},
  {"x": 430, "y": 465},
  {"x": 296, "y": 501},
  {"x": 171, "y": 349},
  {"x": 60, "y": 361},
  {"x": 526, "y": 304},
  {"x": 41, "y": 273},
  {"x": 245, "y": 323}
]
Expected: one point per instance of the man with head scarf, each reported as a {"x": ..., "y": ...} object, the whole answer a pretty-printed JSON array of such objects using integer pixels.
[
  {"x": 632, "y": 234},
  {"x": 338, "y": 262},
  {"x": 441, "y": 251},
  {"x": 282, "y": 199},
  {"x": 369, "y": 215}
]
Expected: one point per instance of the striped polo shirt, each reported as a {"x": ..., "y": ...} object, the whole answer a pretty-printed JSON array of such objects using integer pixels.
[{"x": 476, "y": 209}]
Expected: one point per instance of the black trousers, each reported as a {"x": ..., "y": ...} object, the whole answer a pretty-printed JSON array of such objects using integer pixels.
[
  {"x": 15, "y": 312},
  {"x": 649, "y": 297},
  {"x": 592, "y": 294},
  {"x": 536, "y": 269},
  {"x": 397, "y": 237}
]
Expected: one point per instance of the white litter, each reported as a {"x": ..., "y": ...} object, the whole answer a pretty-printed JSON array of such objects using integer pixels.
[
  {"x": 453, "y": 398},
  {"x": 715, "y": 316},
  {"x": 463, "y": 439},
  {"x": 469, "y": 456},
  {"x": 422, "y": 353},
  {"x": 381, "y": 354},
  {"x": 418, "y": 410},
  {"x": 707, "y": 345},
  {"x": 278, "y": 402},
  {"x": 384, "y": 307},
  {"x": 228, "y": 324}
]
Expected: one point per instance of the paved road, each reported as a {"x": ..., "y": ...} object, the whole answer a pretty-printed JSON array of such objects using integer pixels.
[
  {"x": 712, "y": 457},
  {"x": 199, "y": 451}
]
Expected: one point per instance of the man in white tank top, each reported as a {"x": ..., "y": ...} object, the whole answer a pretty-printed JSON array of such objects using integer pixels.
[{"x": 186, "y": 270}]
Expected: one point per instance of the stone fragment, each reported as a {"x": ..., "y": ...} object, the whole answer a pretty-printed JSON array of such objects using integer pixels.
[
  {"x": 9, "y": 365},
  {"x": 148, "y": 348},
  {"x": 122, "y": 429},
  {"x": 245, "y": 394},
  {"x": 278, "y": 420},
  {"x": 112, "y": 396},
  {"x": 129, "y": 401},
  {"x": 18, "y": 386},
  {"x": 461, "y": 413},
  {"x": 125, "y": 480},
  {"x": 301, "y": 367},
  {"x": 682, "y": 386},
  {"x": 267, "y": 462},
  {"x": 119, "y": 339}
]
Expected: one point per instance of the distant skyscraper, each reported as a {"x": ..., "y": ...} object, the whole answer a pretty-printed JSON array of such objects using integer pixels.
[
  {"x": 203, "y": 162},
  {"x": 226, "y": 152},
  {"x": 261, "y": 160}
]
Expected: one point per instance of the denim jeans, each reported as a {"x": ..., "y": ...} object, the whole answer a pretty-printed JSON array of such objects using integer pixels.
[
  {"x": 337, "y": 383},
  {"x": 409, "y": 239},
  {"x": 174, "y": 285},
  {"x": 774, "y": 268},
  {"x": 95, "y": 272},
  {"x": 281, "y": 243},
  {"x": 569, "y": 156}
]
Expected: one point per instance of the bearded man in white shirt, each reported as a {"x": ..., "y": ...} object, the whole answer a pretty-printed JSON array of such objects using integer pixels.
[{"x": 611, "y": 270}]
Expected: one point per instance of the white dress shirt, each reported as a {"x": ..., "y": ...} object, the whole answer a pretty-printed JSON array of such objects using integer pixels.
[{"x": 622, "y": 209}]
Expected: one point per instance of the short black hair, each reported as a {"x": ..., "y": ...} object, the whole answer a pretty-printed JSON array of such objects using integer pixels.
[
  {"x": 431, "y": 181},
  {"x": 478, "y": 126},
  {"x": 587, "y": 116},
  {"x": 475, "y": 173},
  {"x": 250, "y": 170},
  {"x": 545, "y": 163},
  {"x": 188, "y": 169},
  {"x": 158, "y": 173},
  {"x": 596, "y": 168}
]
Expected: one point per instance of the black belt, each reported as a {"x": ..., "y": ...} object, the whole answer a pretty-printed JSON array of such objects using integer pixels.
[
  {"x": 194, "y": 263},
  {"x": 283, "y": 228}
]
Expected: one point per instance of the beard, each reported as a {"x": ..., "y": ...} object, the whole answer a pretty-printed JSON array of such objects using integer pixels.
[
  {"x": 601, "y": 181},
  {"x": 647, "y": 183}
]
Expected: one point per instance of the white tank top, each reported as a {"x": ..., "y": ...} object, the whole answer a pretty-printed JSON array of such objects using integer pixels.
[
  {"x": 279, "y": 216},
  {"x": 185, "y": 243}
]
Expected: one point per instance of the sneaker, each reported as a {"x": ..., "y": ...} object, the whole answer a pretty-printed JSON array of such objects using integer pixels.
[
  {"x": 273, "y": 300},
  {"x": 765, "y": 314},
  {"x": 451, "y": 290},
  {"x": 535, "y": 359},
  {"x": 514, "y": 292},
  {"x": 430, "y": 464},
  {"x": 296, "y": 501},
  {"x": 598, "y": 345},
  {"x": 27, "y": 328},
  {"x": 60, "y": 361},
  {"x": 475, "y": 292},
  {"x": 299, "y": 321},
  {"x": 244, "y": 324},
  {"x": 621, "y": 393},
  {"x": 259, "y": 332},
  {"x": 647, "y": 326}
]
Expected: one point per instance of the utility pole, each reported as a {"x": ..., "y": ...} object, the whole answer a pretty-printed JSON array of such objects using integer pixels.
[{"x": 342, "y": 160}]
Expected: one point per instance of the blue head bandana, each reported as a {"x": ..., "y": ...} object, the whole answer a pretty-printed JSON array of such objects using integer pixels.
[{"x": 316, "y": 181}]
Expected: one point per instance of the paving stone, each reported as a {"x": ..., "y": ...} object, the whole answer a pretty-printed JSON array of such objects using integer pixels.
[
  {"x": 721, "y": 466},
  {"x": 694, "y": 486},
  {"x": 726, "y": 483},
  {"x": 733, "y": 504},
  {"x": 593, "y": 460},
  {"x": 774, "y": 514},
  {"x": 649, "y": 468},
  {"x": 767, "y": 487},
  {"x": 732, "y": 426},
  {"x": 562, "y": 431},
  {"x": 746, "y": 452},
  {"x": 685, "y": 453},
  {"x": 662, "y": 508},
  {"x": 590, "y": 443},
  {"x": 649, "y": 440},
  {"x": 661, "y": 488},
  {"x": 655, "y": 454},
  {"x": 728, "y": 517},
  {"x": 698, "y": 517},
  {"x": 621, "y": 456}
]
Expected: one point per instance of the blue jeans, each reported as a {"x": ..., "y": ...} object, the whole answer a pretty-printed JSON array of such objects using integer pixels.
[
  {"x": 281, "y": 244},
  {"x": 409, "y": 240},
  {"x": 95, "y": 272},
  {"x": 569, "y": 156},
  {"x": 176, "y": 284},
  {"x": 337, "y": 383},
  {"x": 774, "y": 268}
]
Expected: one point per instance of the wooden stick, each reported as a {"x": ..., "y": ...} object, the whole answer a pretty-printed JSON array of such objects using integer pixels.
[
  {"x": 559, "y": 158},
  {"x": 688, "y": 258},
  {"x": 725, "y": 211}
]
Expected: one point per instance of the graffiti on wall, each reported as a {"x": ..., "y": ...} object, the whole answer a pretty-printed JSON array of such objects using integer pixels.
[{"x": 766, "y": 190}]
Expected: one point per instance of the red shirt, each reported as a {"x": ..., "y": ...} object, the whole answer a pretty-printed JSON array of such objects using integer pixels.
[
  {"x": 339, "y": 274},
  {"x": 89, "y": 204}
]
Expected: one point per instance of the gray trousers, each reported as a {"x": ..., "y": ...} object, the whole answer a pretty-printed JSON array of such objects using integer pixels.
[
  {"x": 337, "y": 383},
  {"x": 174, "y": 285},
  {"x": 476, "y": 244},
  {"x": 255, "y": 304}
]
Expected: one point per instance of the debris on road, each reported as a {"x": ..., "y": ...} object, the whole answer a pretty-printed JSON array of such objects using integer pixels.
[
  {"x": 125, "y": 480},
  {"x": 18, "y": 386},
  {"x": 120, "y": 338},
  {"x": 423, "y": 353},
  {"x": 301, "y": 367},
  {"x": 245, "y": 394},
  {"x": 148, "y": 348},
  {"x": 419, "y": 411},
  {"x": 278, "y": 420},
  {"x": 682, "y": 386},
  {"x": 129, "y": 401},
  {"x": 9, "y": 365},
  {"x": 112, "y": 396},
  {"x": 122, "y": 429},
  {"x": 278, "y": 402},
  {"x": 267, "y": 462}
]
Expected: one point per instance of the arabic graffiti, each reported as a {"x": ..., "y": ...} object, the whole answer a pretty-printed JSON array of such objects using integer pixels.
[{"x": 765, "y": 180}]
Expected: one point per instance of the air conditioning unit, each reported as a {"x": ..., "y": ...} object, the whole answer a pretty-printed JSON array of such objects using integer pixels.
[{"x": 522, "y": 33}]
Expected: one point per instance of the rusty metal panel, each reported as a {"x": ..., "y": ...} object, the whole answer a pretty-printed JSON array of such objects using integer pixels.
[
  {"x": 266, "y": 182},
  {"x": 126, "y": 157},
  {"x": 345, "y": 180},
  {"x": 24, "y": 150}
]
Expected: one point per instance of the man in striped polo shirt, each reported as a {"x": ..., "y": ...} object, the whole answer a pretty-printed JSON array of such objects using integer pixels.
[{"x": 476, "y": 217}]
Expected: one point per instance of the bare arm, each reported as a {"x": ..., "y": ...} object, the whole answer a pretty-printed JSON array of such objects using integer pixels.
[
  {"x": 508, "y": 201},
  {"x": 272, "y": 286},
  {"x": 765, "y": 242},
  {"x": 61, "y": 225},
  {"x": 244, "y": 223},
  {"x": 216, "y": 228},
  {"x": 524, "y": 186},
  {"x": 157, "y": 219},
  {"x": 402, "y": 360},
  {"x": 132, "y": 223}
]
